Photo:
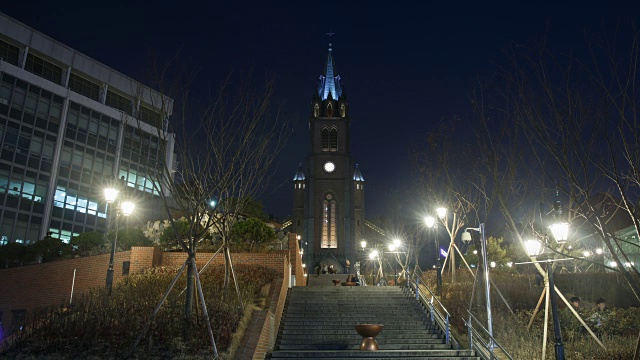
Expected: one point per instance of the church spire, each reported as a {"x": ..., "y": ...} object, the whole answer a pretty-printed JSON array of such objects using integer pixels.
[
  {"x": 329, "y": 83},
  {"x": 357, "y": 175},
  {"x": 299, "y": 174}
]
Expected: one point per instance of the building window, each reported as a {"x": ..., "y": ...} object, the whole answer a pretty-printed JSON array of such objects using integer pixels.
[
  {"x": 316, "y": 110},
  {"x": 333, "y": 140},
  {"x": 343, "y": 111},
  {"x": 150, "y": 117},
  {"x": 325, "y": 139},
  {"x": 9, "y": 53},
  {"x": 329, "y": 110},
  {"x": 44, "y": 69},
  {"x": 84, "y": 87},
  {"x": 119, "y": 102},
  {"x": 329, "y": 228}
]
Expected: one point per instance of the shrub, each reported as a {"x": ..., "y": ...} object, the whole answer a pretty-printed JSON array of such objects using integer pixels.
[{"x": 106, "y": 326}]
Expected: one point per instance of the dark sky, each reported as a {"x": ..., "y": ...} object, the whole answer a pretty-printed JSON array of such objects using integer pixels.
[{"x": 404, "y": 67}]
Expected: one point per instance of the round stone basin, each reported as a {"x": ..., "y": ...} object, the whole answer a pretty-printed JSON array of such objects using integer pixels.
[
  {"x": 369, "y": 330},
  {"x": 336, "y": 282}
]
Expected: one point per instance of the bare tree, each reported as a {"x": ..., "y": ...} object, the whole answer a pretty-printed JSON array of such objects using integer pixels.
[
  {"x": 220, "y": 151},
  {"x": 450, "y": 180},
  {"x": 578, "y": 118}
]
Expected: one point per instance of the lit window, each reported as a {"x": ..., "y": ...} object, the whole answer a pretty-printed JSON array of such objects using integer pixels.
[{"x": 329, "y": 228}]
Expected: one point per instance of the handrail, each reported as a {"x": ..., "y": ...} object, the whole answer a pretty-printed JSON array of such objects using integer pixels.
[
  {"x": 439, "y": 314},
  {"x": 435, "y": 312},
  {"x": 487, "y": 346}
]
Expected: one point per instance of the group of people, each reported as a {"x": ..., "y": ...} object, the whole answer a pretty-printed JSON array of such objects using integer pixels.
[
  {"x": 324, "y": 269},
  {"x": 595, "y": 318}
]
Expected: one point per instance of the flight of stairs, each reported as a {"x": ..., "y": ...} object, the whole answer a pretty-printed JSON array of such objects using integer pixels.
[{"x": 319, "y": 323}]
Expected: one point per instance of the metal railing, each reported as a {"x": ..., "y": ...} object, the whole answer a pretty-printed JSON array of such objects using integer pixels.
[
  {"x": 482, "y": 341},
  {"x": 437, "y": 312}
]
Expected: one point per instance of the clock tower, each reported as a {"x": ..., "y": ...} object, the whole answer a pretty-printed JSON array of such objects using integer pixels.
[{"x": 329, "y": 200}]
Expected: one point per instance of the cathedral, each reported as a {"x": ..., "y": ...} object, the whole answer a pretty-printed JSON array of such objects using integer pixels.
[{"x": 328, "y": 210}]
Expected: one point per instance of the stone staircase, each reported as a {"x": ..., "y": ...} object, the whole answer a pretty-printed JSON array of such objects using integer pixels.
[{"x": 319, "y": 321}]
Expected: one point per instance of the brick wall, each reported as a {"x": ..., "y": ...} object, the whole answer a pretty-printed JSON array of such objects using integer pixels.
[
  {"x": 49, "y": 284},
  {"x": 42, "y": 285}
]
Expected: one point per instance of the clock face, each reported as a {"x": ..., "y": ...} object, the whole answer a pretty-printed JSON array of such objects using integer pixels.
[{"x": 329, "y": 166}]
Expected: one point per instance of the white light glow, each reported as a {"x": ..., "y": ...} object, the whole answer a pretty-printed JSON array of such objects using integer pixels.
[
  {"x": 110, "y": 194},
  {"x": 492, "y": 264},
  {"x": 442, "y": 212},
  {"x": 599, "y": 251},
  {"x": 127, "y": 208},
  {"x": 430, "y": 221},
  {"x": 534, "y": 247},
  {"x": 560, "y": 231}
]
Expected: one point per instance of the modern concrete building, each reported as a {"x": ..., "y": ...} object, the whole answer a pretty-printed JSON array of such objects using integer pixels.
[
  {"x": 329, "y": 196},
  {"x": 70, "y": 126}
]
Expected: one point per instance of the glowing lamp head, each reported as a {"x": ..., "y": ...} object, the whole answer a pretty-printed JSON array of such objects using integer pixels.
[
  {"x": 373, "y": 254},
  {"x": 442, "y": 212},
  {"x": 534, "y": 248},
  {"x": 560, "y": 232},
  {"x": 392, "y": 247},
  {"x": 430, "y": 221},
  {"x": 363, "y": 244},
  {"x": 110, "y": 194},
  {"x": 127, "y": 208}
]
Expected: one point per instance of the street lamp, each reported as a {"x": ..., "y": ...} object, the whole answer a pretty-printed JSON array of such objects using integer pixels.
[
  {"x": 373, "y": 256},
  {"x": 122, "y": 208},
  {"x": 535, "y": 248},
  {"x": 430, "y": 221},
  {"x": 466, "y": 237}
]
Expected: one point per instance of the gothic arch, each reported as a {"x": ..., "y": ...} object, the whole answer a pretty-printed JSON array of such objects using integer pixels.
[
  {"x": 316, "y": 110},
  {"x": 329, "y": 110},
  {"x": 325, "y": 139},
  {"x": 333, "y": 139},
  {"x": 343, "y": 110}
]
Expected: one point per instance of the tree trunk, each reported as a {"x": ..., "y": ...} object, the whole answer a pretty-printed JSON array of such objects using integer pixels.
[
  {"x": 188, "y": 303},
  {"x": 227, "y": 266},
  {"x": 452, "y": 251}
]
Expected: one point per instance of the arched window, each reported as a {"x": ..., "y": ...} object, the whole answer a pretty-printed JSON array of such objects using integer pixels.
[
  {"x": 329, "y": 228},
  {"x": 325, "y": 139},
  {"x": 343, "y": 111},
  {"x": 333, "y": 140},
  {"x": 316, "y": 110},
  {"x": 329, "y": 110}
]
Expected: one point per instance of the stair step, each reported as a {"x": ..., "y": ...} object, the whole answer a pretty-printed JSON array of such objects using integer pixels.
[
  {"x": 318, "y": 323},
  {"x": 380, "y": 354}
]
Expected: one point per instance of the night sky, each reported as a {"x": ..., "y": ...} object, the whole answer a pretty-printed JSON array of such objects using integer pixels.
[{"x": 404, "y": 68}]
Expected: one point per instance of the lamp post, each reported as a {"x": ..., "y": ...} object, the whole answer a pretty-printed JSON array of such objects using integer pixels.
[
  {"x": 466, "y": 237},
  {"x": 373, "y": 256},
  {"x": 560, "y": 231},
  {"x": 430, "y": 221},
  {"x": 392, "y": 250},
  {"x": 122, "y": 208}
]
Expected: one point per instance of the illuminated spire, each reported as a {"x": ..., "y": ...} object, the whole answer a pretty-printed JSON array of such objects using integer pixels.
[
  {"x": 329, "y": 83},
  {"x": 299, "y": 174},
  {"x": 357, "y": 175}
]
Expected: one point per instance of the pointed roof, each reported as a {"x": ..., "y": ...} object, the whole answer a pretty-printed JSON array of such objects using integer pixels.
[
  {"x": 299, "y": 174},
  {"x": 329, "y": 83},
  {"x": 357, "y": 175}
]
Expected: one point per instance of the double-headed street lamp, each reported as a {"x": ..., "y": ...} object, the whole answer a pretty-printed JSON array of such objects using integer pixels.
[
  {"x": 560, "y": 231},
  {"x": 430, "y": 221},
  {"x": 122, "y": 208}
]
